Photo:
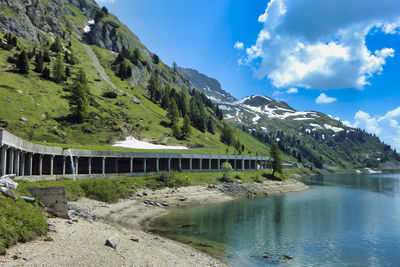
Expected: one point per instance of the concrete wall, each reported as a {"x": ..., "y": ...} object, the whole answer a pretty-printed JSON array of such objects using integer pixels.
[
  {"x": 34, "y": 161},
  {"x": 54, "y": 198}
]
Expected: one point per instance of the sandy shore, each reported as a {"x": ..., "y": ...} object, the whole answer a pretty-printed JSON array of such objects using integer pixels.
[{"x": 81, "y": 240}]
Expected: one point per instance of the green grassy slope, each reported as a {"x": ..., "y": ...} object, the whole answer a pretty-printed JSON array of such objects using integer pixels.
[{"x": 44, "y": 103}]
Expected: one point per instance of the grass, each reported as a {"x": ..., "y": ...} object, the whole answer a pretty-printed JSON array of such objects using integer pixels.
[
  {"x": 19, "y": 222},
  {"x": 112, "y": 189}
]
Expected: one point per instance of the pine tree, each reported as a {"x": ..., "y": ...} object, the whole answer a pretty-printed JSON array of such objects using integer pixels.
[
  {"x": 153, "y": 87},
  {"x": 79, "y": 97},
  {"x": 175, "y": 130},
  {"x": 67, "y": 72},
  {"x": 173, "y": 112},
  {"x": 22, "y": 63},
  {"x": 299, "y": 157},
  {"x": 185, "y": 129},
  {"x": 39, "y": 62},
  {"x": 46, "y": 73},
  {"x": 227, "y": 136},
  {"x": 59, "y": 69},
  {"x": 156, "y": 59},
  {"x": 135, "y": 56},
  {"x": 275, "y": 154},
  {"x": 46, "y": 56},
  {"x": 211, "y": 126},
  {"x": 56, "y": 47},
  {"x": 119, "y": 59}
]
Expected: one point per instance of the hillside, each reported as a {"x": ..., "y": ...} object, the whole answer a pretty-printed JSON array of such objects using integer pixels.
[
  {"x": 311, "y": 137},
  {"x": 130, "y": 91}
]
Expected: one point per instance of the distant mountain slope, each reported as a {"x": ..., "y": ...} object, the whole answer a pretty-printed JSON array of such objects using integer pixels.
[
  {"x": 209, "y": 86},
  {"x": 309, "y": 136}
]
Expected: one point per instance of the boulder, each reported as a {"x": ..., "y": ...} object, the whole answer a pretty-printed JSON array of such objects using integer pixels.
[
  {"x": 8, "y": 193},
  {"x": 8, "y": 183},
  {"x": 112, "y": 241}
]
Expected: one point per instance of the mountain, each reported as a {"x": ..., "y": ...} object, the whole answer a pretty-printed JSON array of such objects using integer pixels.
[
  {"x": 209, "y": 86},
  {"x": 311, "y": 137},
  {"x": 130, "y": 91}
]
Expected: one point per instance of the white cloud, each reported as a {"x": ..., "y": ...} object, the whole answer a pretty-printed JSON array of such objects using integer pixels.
[
  {"x": 321, "y": 44},
  {"x": 239, "y": 45},
  {"x": 391, "y": 114},
  {"x": 324, "y": 99},
  {"x": 347, "y": 123},
  {"x": 292, "y": 90},
  {"x": 387, "y": 127},
  {"x": 364, "y": 121}
]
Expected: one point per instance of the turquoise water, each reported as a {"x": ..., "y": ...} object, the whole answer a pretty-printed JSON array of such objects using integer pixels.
[{"x": 343, "y": 220}]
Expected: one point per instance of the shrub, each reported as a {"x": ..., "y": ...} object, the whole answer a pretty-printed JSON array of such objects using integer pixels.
[
  {"x": 257, "y": 179},
  {"x": 228, "y": 175},
  {"x": 169, "y": 180},
  {"x": 110, "y": 94},
  {"x": 19, "y": 222},
  {"x": 104, "y": 190}
]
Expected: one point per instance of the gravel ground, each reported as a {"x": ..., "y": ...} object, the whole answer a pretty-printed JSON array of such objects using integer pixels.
[{"x": 81, "y": 240}]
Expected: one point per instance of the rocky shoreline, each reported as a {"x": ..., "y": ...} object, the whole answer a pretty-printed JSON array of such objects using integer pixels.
[{"x": 81, "y": 240}]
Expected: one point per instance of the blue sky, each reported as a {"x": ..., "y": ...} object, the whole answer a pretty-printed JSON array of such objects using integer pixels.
[{"x": 335, "y": 56}]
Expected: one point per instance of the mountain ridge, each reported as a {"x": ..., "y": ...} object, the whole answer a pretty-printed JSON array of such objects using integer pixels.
[{"x": 309, "y": 136}]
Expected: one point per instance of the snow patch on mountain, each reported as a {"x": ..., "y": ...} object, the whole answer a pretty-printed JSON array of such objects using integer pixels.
[
  {"x": 256, "y": 118},
  {"x": 333, "y": 128}
]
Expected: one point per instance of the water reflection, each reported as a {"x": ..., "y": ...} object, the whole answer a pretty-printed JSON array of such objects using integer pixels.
[
  {"x": 343, "y": 220},
  {"x": 388, "y": 184}
]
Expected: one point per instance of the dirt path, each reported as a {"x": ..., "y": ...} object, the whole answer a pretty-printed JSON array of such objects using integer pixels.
[{"x": 100, "y": 68}]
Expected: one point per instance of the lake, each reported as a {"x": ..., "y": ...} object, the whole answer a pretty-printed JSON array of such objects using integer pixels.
[{"x": 342, "y": 220}]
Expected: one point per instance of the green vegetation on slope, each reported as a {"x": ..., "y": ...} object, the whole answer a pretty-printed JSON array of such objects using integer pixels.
[
  {"x": 19, "y": 222},
  {"x": 37, "y": 109}
]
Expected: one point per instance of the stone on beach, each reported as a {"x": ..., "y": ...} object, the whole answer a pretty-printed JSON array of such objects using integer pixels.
[{"x": 113, "y": 241}]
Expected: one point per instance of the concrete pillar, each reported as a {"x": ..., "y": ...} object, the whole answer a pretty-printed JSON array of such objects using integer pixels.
[
  {"x": 51, "y": 164},
  {"x": 169, "y": 164},
  {"x": 157, "y": 165},
  {"x": 144, "y": 165},
  {"x": 131, "y": 165},
  {"x": 11, "y": 162},
  {"x": 30, "y": 164},
  {"x": 242, "y": 164},
  {"x": 77, "y": 166},
  {"x": 17, "y": 159},
  {"x": 190, "y": 164},
  {"x": 201, "y": 164},
  {"x": 219, "y": 164},
  {"x": 40, "y": 164},
  {"x": 234, "y": 164},
  {"x": 3, "y": 163},
  {"x": 63, "y": 164},
  {"x": 180, "y": 164},
  {"x": 23, "y": 155},
  {"x": 209, "y": 164},
  {"x": 90, "y": 165},
  {"x": 104, "y": 166}
]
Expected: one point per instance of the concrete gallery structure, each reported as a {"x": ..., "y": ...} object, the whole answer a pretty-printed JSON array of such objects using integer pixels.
[{"x": 37, "y": 162}]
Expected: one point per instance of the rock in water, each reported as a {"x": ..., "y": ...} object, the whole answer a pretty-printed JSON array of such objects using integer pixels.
[{"x": 113, "y": 241}]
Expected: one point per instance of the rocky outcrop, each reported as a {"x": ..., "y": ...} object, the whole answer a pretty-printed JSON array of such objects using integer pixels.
[{"x": 32, "y": 19}]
